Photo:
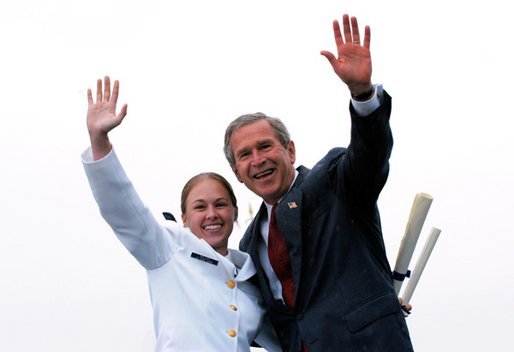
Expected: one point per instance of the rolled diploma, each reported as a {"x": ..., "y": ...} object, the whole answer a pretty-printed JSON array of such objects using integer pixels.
[
  {"x": 420, "y": 264},
  {"x": 417, "y": 217}
]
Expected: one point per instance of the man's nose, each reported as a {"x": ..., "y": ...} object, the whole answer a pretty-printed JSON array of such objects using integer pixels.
[{"x": 257, "y": 158}]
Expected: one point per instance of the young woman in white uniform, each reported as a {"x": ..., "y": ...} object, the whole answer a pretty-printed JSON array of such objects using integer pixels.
[{"x": 201, "y": 297}]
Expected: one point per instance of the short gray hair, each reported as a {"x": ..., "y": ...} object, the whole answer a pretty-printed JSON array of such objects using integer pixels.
[{"x": 278, "y": 126}]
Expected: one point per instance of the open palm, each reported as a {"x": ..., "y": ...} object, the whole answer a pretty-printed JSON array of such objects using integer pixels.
[
  {"x": 353, "y": 61},
  {"x": 101, "y": 115}
]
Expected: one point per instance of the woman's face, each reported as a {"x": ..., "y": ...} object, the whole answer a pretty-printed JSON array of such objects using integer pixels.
[{"x": 210, "y": 213}]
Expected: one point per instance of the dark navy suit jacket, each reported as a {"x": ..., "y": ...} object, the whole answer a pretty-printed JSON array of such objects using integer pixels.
[{"x": 345, "y": 300}]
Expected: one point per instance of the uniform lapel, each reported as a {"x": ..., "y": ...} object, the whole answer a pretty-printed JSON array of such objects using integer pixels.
[{"x": 209, "y": 261}]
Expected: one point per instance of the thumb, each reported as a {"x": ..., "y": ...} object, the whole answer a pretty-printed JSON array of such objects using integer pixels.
[
  {"x": 330, "y": 57},
  {"x": 121, "y": 115}
]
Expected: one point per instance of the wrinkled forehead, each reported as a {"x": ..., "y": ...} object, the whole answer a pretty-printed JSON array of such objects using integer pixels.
[{"x": 255, "y": 131}]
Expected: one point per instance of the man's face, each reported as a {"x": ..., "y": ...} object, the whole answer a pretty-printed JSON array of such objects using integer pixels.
[{"x": 261, "y": 162}]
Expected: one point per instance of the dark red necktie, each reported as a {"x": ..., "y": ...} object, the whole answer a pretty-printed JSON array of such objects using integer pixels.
[{"x": 279, "y": 259}]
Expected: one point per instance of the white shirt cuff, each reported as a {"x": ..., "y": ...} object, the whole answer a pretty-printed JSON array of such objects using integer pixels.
[{"x": 365, "y": 108}]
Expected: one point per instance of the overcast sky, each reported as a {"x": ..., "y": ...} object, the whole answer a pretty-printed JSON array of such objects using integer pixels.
[{"x": 187, "y": 68}]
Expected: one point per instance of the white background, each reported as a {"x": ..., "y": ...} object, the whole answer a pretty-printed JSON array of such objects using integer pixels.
[{"x": 187, "y": 68}]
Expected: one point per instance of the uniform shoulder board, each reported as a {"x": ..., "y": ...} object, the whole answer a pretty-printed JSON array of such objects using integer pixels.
[{"x": 169, "y": 216}]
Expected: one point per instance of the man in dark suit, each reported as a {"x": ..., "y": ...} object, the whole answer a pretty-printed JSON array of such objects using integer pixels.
[{"x": 317, "y": 241}]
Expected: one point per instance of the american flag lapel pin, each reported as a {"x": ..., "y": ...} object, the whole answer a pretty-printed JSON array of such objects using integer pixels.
[{"x": 292, "y": 205}]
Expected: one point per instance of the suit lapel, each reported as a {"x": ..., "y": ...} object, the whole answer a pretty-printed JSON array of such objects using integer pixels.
[
  {"x": 252, "y": 248},
  {"x": 289, "y": 219},
  {"x": 254, "y": 238}
]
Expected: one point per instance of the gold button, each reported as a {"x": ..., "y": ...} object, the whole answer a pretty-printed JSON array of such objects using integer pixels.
[
  {"x": 232, "y": 333},
  {"x": 231, "y": 283},
  {"x": 233, "y": 307}
]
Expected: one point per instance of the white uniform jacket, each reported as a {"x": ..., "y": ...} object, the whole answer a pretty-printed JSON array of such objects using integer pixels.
[{"x": 201, "y": 300}]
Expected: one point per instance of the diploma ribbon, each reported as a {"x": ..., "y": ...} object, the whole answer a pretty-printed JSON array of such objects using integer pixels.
[{"x": 400, "y": 277}]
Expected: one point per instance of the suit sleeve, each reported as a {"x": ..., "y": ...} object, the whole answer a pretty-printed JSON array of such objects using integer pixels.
[
  {"x": 365, "y": 167},
  {"x": 130, "y": 219}
]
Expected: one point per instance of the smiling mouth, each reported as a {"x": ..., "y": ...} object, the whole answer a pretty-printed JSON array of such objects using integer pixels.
[
  {"x": 263, "y": 174},
  {"x": 212, "y": 227}
]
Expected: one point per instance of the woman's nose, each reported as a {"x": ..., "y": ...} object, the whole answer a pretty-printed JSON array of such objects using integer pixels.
[{"x": 211, "y": 212}]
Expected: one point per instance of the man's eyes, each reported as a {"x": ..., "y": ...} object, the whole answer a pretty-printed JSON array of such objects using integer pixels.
[
  {"x": 243, "y": 155},
  {"x": 262, "y": 147}
]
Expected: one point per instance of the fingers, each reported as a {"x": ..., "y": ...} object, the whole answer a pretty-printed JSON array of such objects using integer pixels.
[
  {"x": 346, "y": 28},
  {"x": 351, "y": 32},
  {"x": 338, "y": 38},
  {"x": 107, "y": 88},
  {"x": 89, "y": 97},
  {"x": 98, "y": 90},
  {"x": 406, "y": 310},
  {"x": 367, "y": 37},
  {"x": 115, "y": 91},
  {"x": 103, "y": 94},
  {"x": 355, "y": 31},
  {"x": 350, "y": 35}
]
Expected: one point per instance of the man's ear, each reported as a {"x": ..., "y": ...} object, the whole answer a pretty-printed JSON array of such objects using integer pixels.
[
  {"x": 291, "y": 149},
  {"x": 184, "y": 219},
  {"x": 234, "y": 169}
]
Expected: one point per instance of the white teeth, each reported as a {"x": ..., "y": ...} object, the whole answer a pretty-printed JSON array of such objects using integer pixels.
[
  {"x": 265, "y": 173},
  {"x": 212, "y": 227}
]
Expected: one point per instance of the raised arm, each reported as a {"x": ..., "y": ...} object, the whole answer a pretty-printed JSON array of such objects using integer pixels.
[
  {"x": 102, "y": 117},
  {"x": 353, "y": 61},
  {"x": 120, "y": 205}
]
